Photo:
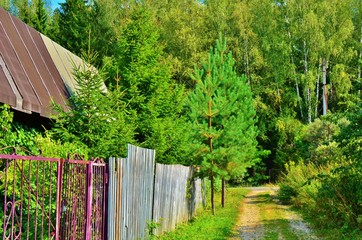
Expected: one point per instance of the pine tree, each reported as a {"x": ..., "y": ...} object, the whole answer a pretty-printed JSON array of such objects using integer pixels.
[{"x": 221, "y": 110}]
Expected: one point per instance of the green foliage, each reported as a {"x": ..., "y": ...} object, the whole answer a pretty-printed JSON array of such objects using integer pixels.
[
  {"x": 151, "y": 226},
  {"x": 149, "y": 91},
  {"x": 41, "y": 17},
  {"x": 6, "y": 119},
  {"x": 288, "y": 130},
  {"x": 256, "y": 175},
  {"x": 182, "y": 33},
  {"x": 56, "y": 149},
  {"x": 221, "y": 111},
  {"x": 79, "y": 25},
  {"x": 207, "y": 226},
  {"x": 293, "y": 184},
  {"x": 5, "y": 4},
  {"x": 28, "y": 141},
  {"x": 16, "y": 135},
  {"x": 340, "y": 198},
  {"x": 286, "y": 193},
  {"x": 73, "y": 26},
  {"x": 333, "y": 188},
  {"x": 95, "y": 118}
]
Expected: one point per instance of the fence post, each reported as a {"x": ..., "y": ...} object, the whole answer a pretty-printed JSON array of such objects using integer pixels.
[
  {"x": 59, "y": 198},
  {"x": 105, "y": 201},
  {"x": 88, "y": 225}
]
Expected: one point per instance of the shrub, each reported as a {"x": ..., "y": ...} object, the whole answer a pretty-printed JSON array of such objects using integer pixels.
[
  {"x": 286, "y": 193},
  {"x": 340, "y": 197}
]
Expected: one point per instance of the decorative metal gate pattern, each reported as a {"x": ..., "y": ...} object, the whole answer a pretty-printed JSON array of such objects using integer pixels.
[{"x": 50, "y": 198}]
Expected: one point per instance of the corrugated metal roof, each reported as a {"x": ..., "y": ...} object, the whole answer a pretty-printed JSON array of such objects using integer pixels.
[{"x": 33, "y": 69}]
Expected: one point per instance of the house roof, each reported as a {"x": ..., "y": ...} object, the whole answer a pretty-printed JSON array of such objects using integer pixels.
[{"x": 33, "y": 69}]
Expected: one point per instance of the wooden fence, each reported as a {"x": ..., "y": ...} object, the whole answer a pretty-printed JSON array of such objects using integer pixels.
[
  {"x": 141, "y": 192},
  {"x": 176, "y": 196}
]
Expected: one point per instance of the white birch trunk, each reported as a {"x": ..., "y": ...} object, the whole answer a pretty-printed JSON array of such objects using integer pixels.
[
  {"x": 297, "y": 90},
  {"x": 309, "y": 103},
  {"x": 317, "y": 92},
  {"x": 324, "y": 79}
]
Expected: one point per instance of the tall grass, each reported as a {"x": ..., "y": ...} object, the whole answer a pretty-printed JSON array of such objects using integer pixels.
[
  {"x": 208, "y": 226},
  {"x": 329, "y": 196}
]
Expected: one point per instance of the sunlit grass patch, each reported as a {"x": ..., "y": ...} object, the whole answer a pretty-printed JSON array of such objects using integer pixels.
[{"x": 208, "y": 226}]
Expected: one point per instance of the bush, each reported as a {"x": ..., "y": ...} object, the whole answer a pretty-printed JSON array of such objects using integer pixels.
[
  {"x": 297, "y": 185},
  {"x": 330, "y": 195},
  {"x": 286, "y": 193},
  {"x": 340, "y": 197}
]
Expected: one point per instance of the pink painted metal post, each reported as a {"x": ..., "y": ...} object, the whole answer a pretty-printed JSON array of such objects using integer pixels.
[
  {"x": 59, "y": 197},
  {"x": 88, "y": 233},
  {"x": 105, "y": 207}
]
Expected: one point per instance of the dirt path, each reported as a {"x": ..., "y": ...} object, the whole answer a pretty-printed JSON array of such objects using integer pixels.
[{"x": 261, "y": 217}]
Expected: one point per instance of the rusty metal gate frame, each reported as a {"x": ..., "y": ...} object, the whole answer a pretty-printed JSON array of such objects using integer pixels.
[{"x": 33, "y": 185}]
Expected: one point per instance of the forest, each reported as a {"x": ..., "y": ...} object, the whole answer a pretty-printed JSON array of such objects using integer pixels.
[{"x": 249, "y": 91}]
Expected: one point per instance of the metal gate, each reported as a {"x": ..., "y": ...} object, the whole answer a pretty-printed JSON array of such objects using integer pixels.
[{"x": 51, "y": 198}]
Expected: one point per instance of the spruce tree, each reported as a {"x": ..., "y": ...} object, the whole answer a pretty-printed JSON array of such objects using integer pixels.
[
  {"x": 221, "y": 110},
  {"x": 95, "y": 118},
  {"x": 73, "y": 25},
  {"x": 5, "y": 4},
  {"x": 40, "y": 19},
  {"x": 148, "y": 87}
]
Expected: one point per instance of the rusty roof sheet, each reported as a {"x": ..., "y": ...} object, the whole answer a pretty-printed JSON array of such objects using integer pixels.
[{"x": 33, "y": 69}]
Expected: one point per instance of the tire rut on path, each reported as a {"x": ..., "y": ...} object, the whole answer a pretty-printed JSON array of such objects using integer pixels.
[{"x": 250, "y": 226}]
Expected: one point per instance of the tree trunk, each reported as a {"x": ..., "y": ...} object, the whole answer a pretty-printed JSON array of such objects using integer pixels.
[
  {"x": 317, "y": 92},
  {"x": 212, "y": 192},
  {"x": 306, "y": 76},
  {"x": 325, "y": 96},
  {"x": 212, "y": 161},
  {"x": 223, "y": 193},
  {"x": 309, "y": 105},
  {"x": 297, "y": 89}
]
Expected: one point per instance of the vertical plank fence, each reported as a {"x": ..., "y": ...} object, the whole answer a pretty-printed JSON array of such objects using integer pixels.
[
  {"x": 176, "y": 197},
  {"x": 141, "y": 191},
  {"x": 131, "y": 194}
]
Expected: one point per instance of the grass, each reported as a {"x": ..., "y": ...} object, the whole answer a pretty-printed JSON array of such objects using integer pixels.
[
  {"x": 276, "y": 223},
  {"x": 208, "y": 226},
  {"x": 333, "y": 233},
  {"x": 274, "y": 219}
]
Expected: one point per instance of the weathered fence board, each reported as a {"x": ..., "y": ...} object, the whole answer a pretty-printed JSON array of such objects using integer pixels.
[
  {"x": 176, "y": 196},
  {"x": 138, "y": 194},
  {"x": 131, "y": 194}
]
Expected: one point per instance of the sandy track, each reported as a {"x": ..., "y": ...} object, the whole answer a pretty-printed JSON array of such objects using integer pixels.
[{"x": 250, "y": 225}]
